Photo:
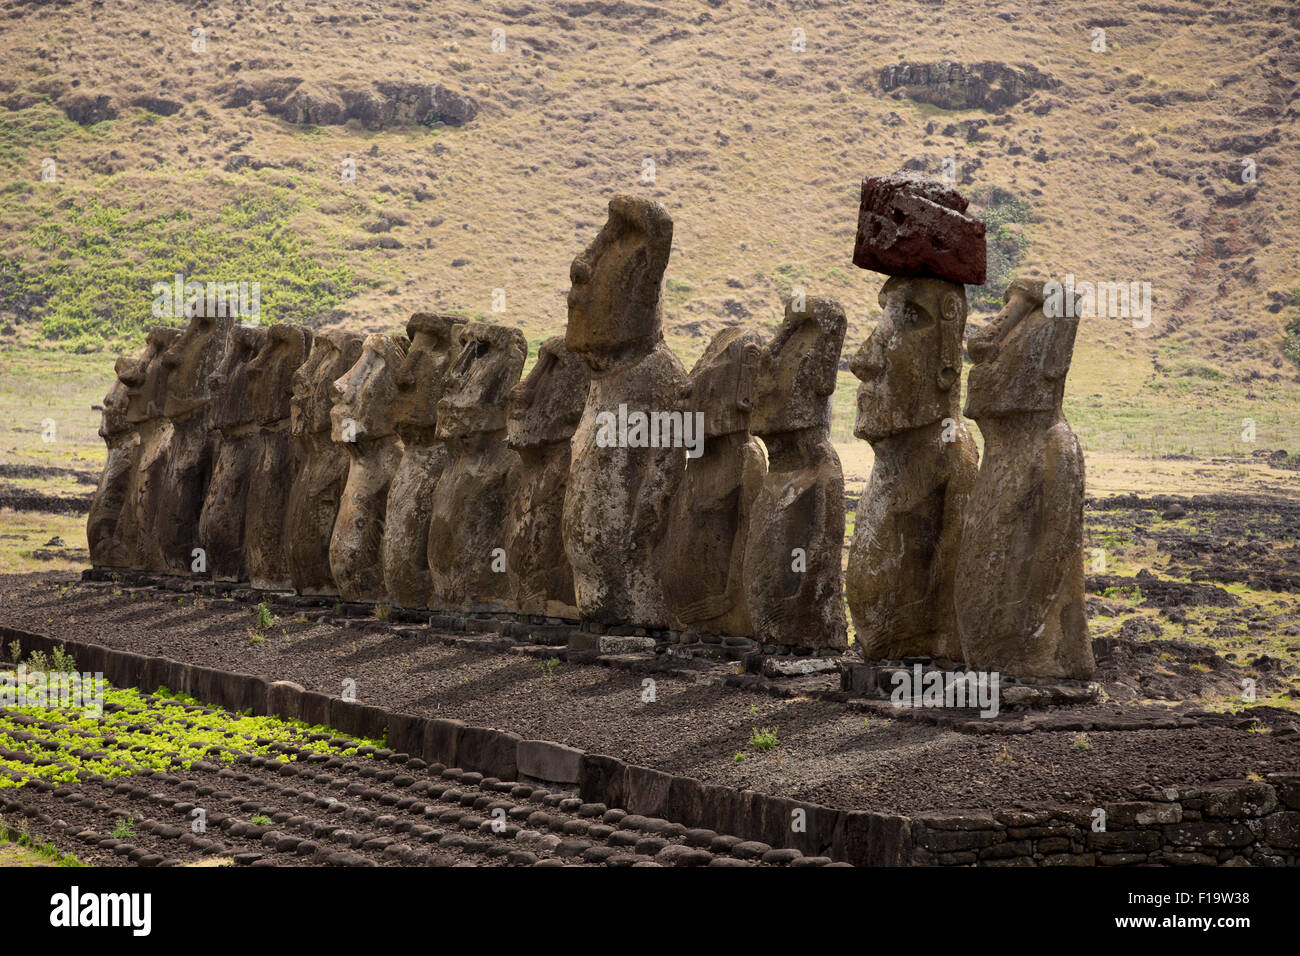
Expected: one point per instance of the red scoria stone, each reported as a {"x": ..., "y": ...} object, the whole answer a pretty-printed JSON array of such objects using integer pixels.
[{"x": 914, "y": 227}]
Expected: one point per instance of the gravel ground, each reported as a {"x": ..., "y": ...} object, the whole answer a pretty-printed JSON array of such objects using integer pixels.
[{"x": 826, "y": 753}]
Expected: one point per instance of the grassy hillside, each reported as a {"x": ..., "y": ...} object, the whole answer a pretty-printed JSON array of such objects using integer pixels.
[{"x": 232, "y": 162}]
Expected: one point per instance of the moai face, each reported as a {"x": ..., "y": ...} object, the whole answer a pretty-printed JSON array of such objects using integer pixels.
[
  {"x": 190, "y": 360},
  {"x": 1021, "y": 357},
  {"x": 145, "y": 377},
  {"x": 911, "y": 362},
  {"x": 363, "y": 396},
  {"x": 229, "y": 382},
  {"x": 332, "y": 354},
  {"x": 615, "y": 313},
  {"x": 478, "y": 383},
  {"x": 113, "y": 420},
  {"x": 271, "y": 373},
  {"x": 546, "y": 406},
  {"x": 722, "y": 381},
  {"x": 434, "y": 346},
  {"x": 797, "y": 372}
]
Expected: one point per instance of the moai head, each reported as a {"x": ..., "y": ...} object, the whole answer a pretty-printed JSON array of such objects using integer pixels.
[
  {"x": 332, "y": 354},
  {"x": 722, "y": 381},
  {"x": 145, "y": 376},
  {"x": 363, "y": 396},
  {"x": 797, "y": 372},
  {"x": 615, "y": 313},
  {"x": 434, "y": 346},
  {"x": 191, "y": 359},
  {"x": 271, "y": 373},
  {"x": 229, "y": 381},
  {"x": 546, "y": 406},
  {"x": 478, "y": 384},
  {"x": 1021, "y": 357},
  {"x": 910, "y": 365}
]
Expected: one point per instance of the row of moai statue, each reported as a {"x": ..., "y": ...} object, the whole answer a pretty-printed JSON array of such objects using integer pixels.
[{"x": 421, "y": 471}]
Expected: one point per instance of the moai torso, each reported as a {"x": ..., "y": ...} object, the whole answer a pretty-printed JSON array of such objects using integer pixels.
[
  {"x": 146, "y": 394},
  {"x": 105, "y": 521},
  {"x": 543, "y": 411},
  {"x": 704, "y": 547},
  {"x": 275, "y": 464},
  {"x": 433, "y": 347},
  {"x": 192, "y": 359},
  {"x": 796, "y": 527},
  {"x": 616, "y": 501},
  {"x": 1020, "y": 605},
  {"x": 467, "y": 561},
  {"x": 362, "y": 424},
  {"x": 899, "y": 581},
  {"x": 322, "y": 466},
  {"x": 230, "y": 419}
]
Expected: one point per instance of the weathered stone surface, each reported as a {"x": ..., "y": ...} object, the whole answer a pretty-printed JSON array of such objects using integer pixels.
[
  {"x": 470, "y": 501},
  {"x": 1020, "y": 563},
  {"x": 796, "y": 530},
  {"x": 708, "y": 523},
  {"x": 106, "y": 521},
  {"x": 362, "y": 423},
  {"x": 434, "y": 346},
  {"x": 542, "y": 414},
  {"x": 543, "y": 760},
  {"x": 914, "y": 227},
  {"x": 173, "y": 533},
  {"x": 146, "y": 394},
  {"x": 798, "y": 666},
  {"x": 986, "y": 85},
  {"x": 322, "y": 466},
  {"x": 270, "y": 377},
  {"x": 230, "y": 418},
  {"x": 899, "y": 580},
  {"x": 620, "y": 484}
]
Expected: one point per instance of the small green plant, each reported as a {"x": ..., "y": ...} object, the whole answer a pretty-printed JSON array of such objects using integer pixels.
[
  {"x": 265, "y": 619},
  {"x": 1081, "y": 742},
  {"x": 15, "y": 652},
  {"x": 63, "y": 661},
  {"x": 261, "y": 820},
  {"x": 548, "y": 667},
  {"x": 37, "y": 661},
  {"x": 124, "y": 830},
  {"x": 256, "y": 638},
  {"x": 740, "y": 757},
  {"x": 383, "y": 611},
  {"x": 764, "y": 739}
]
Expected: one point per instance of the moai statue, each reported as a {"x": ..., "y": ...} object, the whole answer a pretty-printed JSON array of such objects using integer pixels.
[
  {"x": 112, "y": 497},
  {"x": 145, "y": 379},
  {"x": 434, "y": 346},
  {"x": 270, "y": 391},
  {"x": 625, "y": 466},
  {"x": 543, "y": 411},
  {"x": 230, "y": 418},
  {"x": 704, "y": 547},
  {"x": 796, "y": 524},
  {"x": 362, "y": 424},
  {"x": 1020, "y": 607},
  {"x": 899, "y": 581},
  {"x": 173, "y": 533},
  {"x": 321, "y": 465},
  {"x": 467, "y": 559}
]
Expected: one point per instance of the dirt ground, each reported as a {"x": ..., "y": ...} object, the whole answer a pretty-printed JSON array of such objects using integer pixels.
[{"x": 826, "y": 752}]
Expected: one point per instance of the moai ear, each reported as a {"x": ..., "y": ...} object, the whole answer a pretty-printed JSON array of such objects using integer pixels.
[
  {"x": 751, "y": 358},
  {"x": 1057, "y": 345},
  {"x": 952, "y": 323}
]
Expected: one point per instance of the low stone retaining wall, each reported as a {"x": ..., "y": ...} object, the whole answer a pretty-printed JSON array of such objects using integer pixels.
[{"x": 1235, "y": 823}]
